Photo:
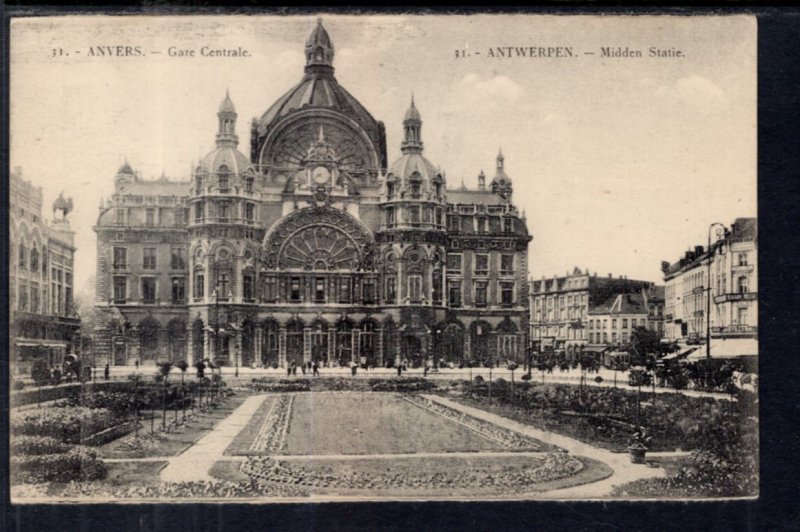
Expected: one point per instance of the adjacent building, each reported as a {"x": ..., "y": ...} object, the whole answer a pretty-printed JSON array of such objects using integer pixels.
[
  {"x": 571, "y": 312},
  {"x": 727, "y": 275},
  {"x": 315, "y": 246},
  {"x": 43, "y": 325}
]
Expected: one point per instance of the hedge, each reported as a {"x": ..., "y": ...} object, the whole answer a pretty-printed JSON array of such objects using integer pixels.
[
  {"x": 64, "y": 424},
  {"x": 36, "y": 445}
]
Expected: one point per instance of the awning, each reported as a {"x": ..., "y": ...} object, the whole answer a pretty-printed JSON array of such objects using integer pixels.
[
  {"x": 595, "y": 349},
  {"x": 728, "y": 348},
  {"x": 681, "y": 353}
]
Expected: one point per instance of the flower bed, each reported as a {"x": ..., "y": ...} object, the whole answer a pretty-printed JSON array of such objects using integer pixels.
[
  {"x": 36, "y": 445},
  {"x": 535, "y": 469},
  {"x": 505, "y": 437},
  {"x": 66, "y": 424},
  {"x": 78, "y": 463},
  {"x": 272, "y": 435},
  {"x": 269, "y": 385},
  {"x": 413, "y": 384}
]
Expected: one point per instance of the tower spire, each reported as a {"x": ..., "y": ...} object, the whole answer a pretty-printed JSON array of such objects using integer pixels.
[
  {"x": 226, "y": 116},
  {"x": 412, "y": 127},
  {"x": 319, "y": 49}
]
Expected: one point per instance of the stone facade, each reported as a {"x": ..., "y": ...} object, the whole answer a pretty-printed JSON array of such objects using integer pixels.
[
  {"x": 43, "y": 324},
  {"x": 313, "y": 247},
  {"x": 561, "y": 309}
]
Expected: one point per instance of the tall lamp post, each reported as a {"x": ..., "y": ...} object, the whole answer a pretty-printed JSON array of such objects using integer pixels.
[{"x": 721, "y": 231}]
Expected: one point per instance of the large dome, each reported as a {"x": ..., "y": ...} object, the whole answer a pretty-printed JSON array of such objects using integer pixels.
[
  {"x": 412, "y": 163},
  {"x": 317, "y": 91}
]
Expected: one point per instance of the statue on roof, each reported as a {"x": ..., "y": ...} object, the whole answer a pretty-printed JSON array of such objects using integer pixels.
[{"x": 62, "y": 204}]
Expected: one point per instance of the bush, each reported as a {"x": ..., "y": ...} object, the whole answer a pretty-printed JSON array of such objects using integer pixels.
[
  {"x": 79, "y": 463},
  {"x": 36, "y": 445},
  {"x": 478, "y": 379},
  {"x": 64, "y": 424},
  {"x": 414, "y": 384},
  {"x": 119, "y": 403}
]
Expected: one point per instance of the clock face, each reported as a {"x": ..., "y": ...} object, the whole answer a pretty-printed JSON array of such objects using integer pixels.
[{"x": 320, "y": 175}]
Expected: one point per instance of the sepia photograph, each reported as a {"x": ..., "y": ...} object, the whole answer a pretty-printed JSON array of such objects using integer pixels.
[{"x": 382, "y": 257}]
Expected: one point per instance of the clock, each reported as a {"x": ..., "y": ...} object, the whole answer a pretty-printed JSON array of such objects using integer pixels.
[{"x": 320, "y": 175}]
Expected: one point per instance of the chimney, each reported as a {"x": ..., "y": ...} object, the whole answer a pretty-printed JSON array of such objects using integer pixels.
[{"x": 698, "y": 250}]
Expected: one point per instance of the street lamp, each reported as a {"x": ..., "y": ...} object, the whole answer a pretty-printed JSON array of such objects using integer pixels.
[{"x": 721, "y": 232}]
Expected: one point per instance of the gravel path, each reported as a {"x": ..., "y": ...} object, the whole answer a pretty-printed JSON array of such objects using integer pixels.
[
  {"x": 624, "y": 470},
  {"x": 195, "y": 462}
]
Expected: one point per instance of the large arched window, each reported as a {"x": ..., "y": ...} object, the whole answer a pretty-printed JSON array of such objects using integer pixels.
[
  {"x": 34, "y": 259},
  {"x": 44, "y": 261},
  {"x": 23, "y": 256}
]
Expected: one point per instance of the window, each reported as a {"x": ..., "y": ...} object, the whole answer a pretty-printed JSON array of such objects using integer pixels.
[
  {"x": 223, "y": 286},
  {"x": 506, "y": 264},
  {"x": 742, "y": 259},
  {"x": 44, "y": 262},
  {"x": 294, "y": 289},
  {"x": 413, "y": 215},
  {"x": 507, "y": 294},
  {"x": 199, "y": 211},
  {"x": 178, "y": 259},
  {"x": 223, "y": 179},
  {"x": 249, "y": 212},
  {"x": 437, "y": 286},
  {"x": 624, "y": 323},
  {"x": 248, "y": 185},
  {"x": 270, "y": 289},
  {"x": 454, "y": 293},
  {"x": 742, "y": 284},
  {"x": 481, "y": 264},
  {"x": 150, "y": 217},
  {"x": 454, "y": 262},
  {"x": 415, "y": 189},
  {"x": 149, "y": 259},
  {"x": 178, "y": 290},
  {"x": 23, "y": 257},
  {"x": 391, "y": 289},
  {"x": 198, "y": 185},
  {"x": 390, "y": 219},
  {"x": 480, "y": 293},
  {"x": 344, "y": 290},
  {"x": 613, "y": 337},
  {"x": 439, "y": 216},
  {"x": 34, "y": 297},
  {"x": 180, "y": 216},
  {"x": 248, "y": 290},
  {"x": 426, "y": 215},
  {"x": 319, "y": 290},
  {"x": 223, "y": 211},
  {"x": 390, "y": 190},
  {"x": 368, "y": 291},
  {"x": 22, "y": 300},
  {"x": 199, "y": 285},
  {"x": 120, "y": 216},
  {"x": 415, "y": 288},
  {"x": 614, "y": 323},
  {"x": 508, "y": 226},
  {"x": 34, "y": 259},
  {"x": 148, "y": 290},
  {"x": 741, "y": 316},
  {"x": 454, "y": 223},
  {"x": 120, "y": 258},
  {"x": 481, "y": 224}
]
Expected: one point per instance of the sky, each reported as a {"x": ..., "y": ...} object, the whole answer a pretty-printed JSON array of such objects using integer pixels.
[{"x": 618, "y": 163}]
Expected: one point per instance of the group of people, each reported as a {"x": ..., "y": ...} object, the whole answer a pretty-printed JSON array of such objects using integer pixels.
[{"x": 310, "y": 366}]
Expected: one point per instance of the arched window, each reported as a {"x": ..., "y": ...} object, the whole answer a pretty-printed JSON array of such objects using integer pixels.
[
  {"x": 44, "y": 261},
  {"x": 34, "y": 259},
  {"x": 23, "y": 256},
  {"x": 198, "y": 184}
]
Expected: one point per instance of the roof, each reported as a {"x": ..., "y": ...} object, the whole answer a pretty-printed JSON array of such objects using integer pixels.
[
  {"x": 229, "y": 156},
  {"x": 408, "y": 163},
  {"x": 474, "y": 197},
  {"x": 227, "y": 104},
  {"x": 412, "y": 113},
  {"x": 158, "y": 187}
]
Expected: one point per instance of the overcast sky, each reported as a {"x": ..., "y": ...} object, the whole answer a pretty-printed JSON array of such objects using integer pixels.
[{"x": 618, "y": 163}]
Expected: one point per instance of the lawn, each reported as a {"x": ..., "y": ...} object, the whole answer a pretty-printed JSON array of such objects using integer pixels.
[{"x": 365, "y": 423}]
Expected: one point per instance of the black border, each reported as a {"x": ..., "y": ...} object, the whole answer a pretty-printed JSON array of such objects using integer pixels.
[{"x": 779, "y": 191}]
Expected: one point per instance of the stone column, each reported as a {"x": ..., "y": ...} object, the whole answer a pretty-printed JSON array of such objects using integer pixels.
[
  {"x": 208, "y": 346},
  {"x": 282, "y": 347},
  {"x": 380, "y": 347},
  {"x": 306, "y": 344},
  {"x": 354, "y": 346},
  {"x": 467, "y": 344},
  {"x": 190, "y": 346},
  {"x": 259, "y": 348}
]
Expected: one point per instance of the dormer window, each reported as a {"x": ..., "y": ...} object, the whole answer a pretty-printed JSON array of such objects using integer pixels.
[
  {"x": 198, "y": 185},
  {"x": 248, "y": 185},
  {"x": 224, "y": 179},
  {"x": 390, "y": 190}
]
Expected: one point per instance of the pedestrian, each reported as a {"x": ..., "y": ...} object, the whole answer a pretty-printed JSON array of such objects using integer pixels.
[
  {"x": 399, "y": 368},
  {"x": 288, "y": 370},
  {"x": 425, "y": 371},
  {"x": 136, "y": 363},
  {"x": 303, "y": 368},
  {"x": 315, "y": 368},
  {"x": 106, "y": 372},
  {"x": 353, "y": 367}
]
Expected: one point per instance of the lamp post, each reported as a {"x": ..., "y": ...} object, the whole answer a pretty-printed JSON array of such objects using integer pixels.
[{"x": 721, "y": 231}]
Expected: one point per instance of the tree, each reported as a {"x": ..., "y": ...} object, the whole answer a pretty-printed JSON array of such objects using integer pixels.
[
  {"x": 643, "y": 342},
  {"x": 163, "y": 371}
]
